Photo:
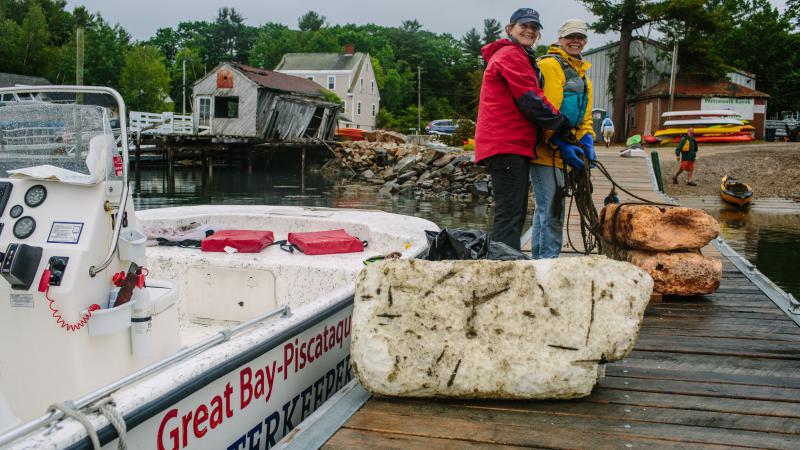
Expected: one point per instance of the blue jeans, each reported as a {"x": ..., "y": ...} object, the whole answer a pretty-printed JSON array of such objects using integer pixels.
[{"x": 547, "y": 227}]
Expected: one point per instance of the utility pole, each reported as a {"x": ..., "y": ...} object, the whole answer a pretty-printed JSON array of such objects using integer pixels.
[
  {"x": 79, "y": 62},
  {"x": 184, "y": 86},
  {"x": 673, "y": 72},
  {"x": 419, "y": 100}
]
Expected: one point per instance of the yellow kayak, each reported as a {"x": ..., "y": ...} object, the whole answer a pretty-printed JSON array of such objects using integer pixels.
[
  {"x": 735, "y": 192},
  {"x": 735, "y": 129}
]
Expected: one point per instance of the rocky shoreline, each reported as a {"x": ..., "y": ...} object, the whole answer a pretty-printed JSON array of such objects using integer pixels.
[{"x": 400, "y": 168}]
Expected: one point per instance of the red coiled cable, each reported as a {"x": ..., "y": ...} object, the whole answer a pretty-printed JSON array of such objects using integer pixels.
[{"x": 44, "y": 286}]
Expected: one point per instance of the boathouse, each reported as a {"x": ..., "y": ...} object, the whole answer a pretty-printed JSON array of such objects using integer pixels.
[
  {"x": 644, "y": 111},
  {"x": 252, "y": 104}
]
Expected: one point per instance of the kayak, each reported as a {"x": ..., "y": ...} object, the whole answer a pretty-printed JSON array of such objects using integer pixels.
[
  {"x": 735, "y": 192},
  {"x": 702, "y": 113},
  {"x": 703, "y": 122},
  {"x": 718, "y": 139},
  {"x": 350, "y": 134},
  {"x": 730, "y": 129}
]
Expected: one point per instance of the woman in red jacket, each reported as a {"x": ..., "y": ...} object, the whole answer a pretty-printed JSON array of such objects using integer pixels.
[{"x": 511, "y": 111}]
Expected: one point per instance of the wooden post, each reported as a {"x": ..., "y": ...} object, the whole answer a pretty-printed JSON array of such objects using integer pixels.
[
  {"x": 171, "y": 170},
  {"x": 303, "y": 170}
]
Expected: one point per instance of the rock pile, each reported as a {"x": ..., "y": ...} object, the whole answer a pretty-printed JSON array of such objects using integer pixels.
[
  {"x": 666, "y": 243},
  {"x": 410, "y": 169}
]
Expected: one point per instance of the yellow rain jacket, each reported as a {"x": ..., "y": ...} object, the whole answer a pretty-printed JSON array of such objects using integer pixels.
[{"x": 555, "y": 82}]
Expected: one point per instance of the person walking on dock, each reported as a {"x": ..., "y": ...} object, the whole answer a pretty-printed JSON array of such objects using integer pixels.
[
  {"x": 607, "y": 129},
  {"x": 570, "y": 90},
  {"x": 512, "y": 109},
  {"x": 686, "y": 154}
]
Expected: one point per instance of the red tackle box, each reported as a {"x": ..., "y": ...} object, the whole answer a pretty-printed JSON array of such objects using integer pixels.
[
  {"x": 326, "y": 242},
  {"x": 244, "y": 241}
]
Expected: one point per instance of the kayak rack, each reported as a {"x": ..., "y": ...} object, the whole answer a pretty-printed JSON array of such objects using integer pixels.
[{"x": 91, "y": 398}]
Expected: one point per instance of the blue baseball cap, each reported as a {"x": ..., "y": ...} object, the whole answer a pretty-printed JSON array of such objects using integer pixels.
[{"x": 526, "y": 15}]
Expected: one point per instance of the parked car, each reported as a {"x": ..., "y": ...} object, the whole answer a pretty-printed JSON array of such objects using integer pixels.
[{"x": 442, "y": 126}]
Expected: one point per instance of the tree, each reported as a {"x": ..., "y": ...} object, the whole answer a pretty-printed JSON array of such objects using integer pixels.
[
  {"x": 144, "y": 81},
  {"x": 627, "y": 16},
  {"x": 311, "y": 21},
  {"x": 471, "y": 43},
  {"x": 492, "y": 30},
  {"x": 793, "y": 12}
]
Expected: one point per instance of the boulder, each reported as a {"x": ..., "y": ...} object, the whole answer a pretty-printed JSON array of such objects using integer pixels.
[
  {"x": 384, "y": 136},
  {"x": 444, "y": 160},
  {"x": 480, "y": 189},
  {"x": 683, "y": 273},
  {"x": 367, "y": 174},
  {"x": 430, "y": 155},
  {"x": 644, "y": 227},
  {"x": 404, "y": 163},
  {"x": 494, "y": 329}
]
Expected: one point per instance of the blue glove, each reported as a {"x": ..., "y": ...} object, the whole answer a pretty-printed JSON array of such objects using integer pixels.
[
  {"x": 588, "y": 146},
  {"x": 571, "y": 154}
]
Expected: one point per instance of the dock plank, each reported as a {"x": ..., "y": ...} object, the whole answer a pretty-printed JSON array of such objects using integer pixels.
[{"x": 715, "y": 371}]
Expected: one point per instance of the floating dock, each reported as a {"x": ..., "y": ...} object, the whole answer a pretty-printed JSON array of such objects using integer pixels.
[{"x": 717, "y": 371}]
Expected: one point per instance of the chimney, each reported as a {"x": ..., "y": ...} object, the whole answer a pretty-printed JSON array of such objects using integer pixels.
[{"x": 349, "y": 49}]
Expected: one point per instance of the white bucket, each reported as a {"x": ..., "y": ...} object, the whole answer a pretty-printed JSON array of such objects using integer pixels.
[
  {"x": 110, "y": 320},
  {"x": 131, "y": 246}
]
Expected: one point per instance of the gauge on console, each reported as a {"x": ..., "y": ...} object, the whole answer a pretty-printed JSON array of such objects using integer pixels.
[
  {"x": 16, "y": 211},
  {"x": 24, "y": 227},
  {"x": 35, "y": 195}
]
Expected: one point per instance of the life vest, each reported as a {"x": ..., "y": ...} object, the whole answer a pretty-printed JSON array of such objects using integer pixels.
[{"x": 576, "y": 92}]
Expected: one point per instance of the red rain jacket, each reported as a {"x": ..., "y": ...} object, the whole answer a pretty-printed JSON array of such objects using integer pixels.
[{"x": 512, "y": 104}]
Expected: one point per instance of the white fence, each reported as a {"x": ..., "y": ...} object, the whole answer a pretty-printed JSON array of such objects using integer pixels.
[{"x": 164, "y": 123}]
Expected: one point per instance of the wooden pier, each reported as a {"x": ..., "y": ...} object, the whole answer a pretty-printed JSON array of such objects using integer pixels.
[{"x": 718, "y": 371}]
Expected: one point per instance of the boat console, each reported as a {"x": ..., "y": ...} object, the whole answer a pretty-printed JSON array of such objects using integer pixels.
[{"x": 67, "y": 230}]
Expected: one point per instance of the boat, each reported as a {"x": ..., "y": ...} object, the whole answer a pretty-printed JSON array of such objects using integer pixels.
[
  {"x": 350, "y": 134},
  {"x": 702, "y": 113},
  {"x": 717, "y": 130},
  {"x": 721, "y": 139},
  {"x": 186, "y": 348},
  {"x": 702, "y": 122},
  {"x": 735, "y": 192}
]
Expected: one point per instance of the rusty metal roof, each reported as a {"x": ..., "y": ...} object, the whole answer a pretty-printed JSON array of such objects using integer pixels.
[
  {"x": 702, "y": 89},
  {"x": 279, "y": 81}
]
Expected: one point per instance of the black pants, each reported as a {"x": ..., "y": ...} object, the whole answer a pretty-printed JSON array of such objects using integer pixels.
[{"x": 510, "y": 189}]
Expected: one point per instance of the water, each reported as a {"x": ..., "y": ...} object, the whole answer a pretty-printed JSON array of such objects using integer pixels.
[
  {"x": 768, "y": 234},
  {"x": 287, "y": 187}
]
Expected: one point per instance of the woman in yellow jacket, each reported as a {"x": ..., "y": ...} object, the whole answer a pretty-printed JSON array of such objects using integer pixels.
[{"x": 568, "y": 89}]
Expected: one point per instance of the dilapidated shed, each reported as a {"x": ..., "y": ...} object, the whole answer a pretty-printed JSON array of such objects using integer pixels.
[{"x": 239, "y": 101}]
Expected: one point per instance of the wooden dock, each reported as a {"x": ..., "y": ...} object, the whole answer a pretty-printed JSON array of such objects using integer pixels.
[{"x": 719, "y": 371}]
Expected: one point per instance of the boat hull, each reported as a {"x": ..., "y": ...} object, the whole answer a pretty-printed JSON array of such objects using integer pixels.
[{"x": 735, "y": 192}]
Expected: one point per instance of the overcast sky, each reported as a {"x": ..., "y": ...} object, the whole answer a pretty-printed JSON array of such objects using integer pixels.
[{"x": 143, "y": 17}]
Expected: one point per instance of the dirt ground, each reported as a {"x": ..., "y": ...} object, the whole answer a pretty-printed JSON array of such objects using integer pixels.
[{"x": 771, "y": 169}]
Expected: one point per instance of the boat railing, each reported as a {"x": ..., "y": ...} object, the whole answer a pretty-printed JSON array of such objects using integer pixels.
[{"x": 93, "y": 397}]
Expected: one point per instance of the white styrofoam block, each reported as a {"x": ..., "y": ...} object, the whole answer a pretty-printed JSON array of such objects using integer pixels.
[{"x": 491, "y": 329}]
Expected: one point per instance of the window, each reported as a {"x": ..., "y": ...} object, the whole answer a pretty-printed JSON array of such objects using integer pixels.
[
  {"x": 358, "y": 108},
  {"x": 331, "y": 82},
  {"x": 226, "y": 107},
  {"x": 344, "y": 106},
  {"x": 372, "y": 86},
  {"x": 374, "y": 110},
  {"x": 204, "y": 108},
  {"x": 310, "y": 77},
  {"x": 361, "y": 85}
]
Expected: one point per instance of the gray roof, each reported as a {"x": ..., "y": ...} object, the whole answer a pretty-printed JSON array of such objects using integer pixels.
[
  {"x": 11, "y": 79},
  {"x": 319, "y": 61}
]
